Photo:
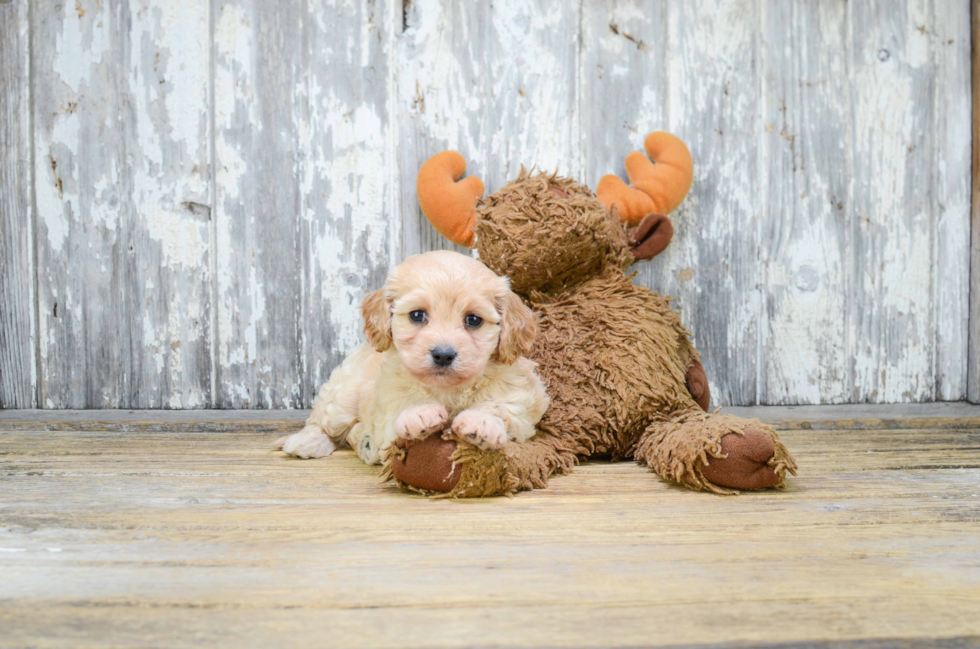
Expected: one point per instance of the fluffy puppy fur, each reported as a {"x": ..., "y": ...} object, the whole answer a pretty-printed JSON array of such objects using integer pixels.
[{"x": 446, "y": 341}]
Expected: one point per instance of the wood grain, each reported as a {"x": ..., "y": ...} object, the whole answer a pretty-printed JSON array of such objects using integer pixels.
[
  {"x": 193, "y": 538},
  {"x": 18, "y": 371},
  {"x": 123, "y": 194}
]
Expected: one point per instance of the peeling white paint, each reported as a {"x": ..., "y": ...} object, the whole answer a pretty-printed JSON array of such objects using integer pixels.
[
  {"x": 533, "y": 117},
  {"x": 121, "y": 151},
  {"x": 81, "y": 46},
  {"x": 182, "y": 237}
]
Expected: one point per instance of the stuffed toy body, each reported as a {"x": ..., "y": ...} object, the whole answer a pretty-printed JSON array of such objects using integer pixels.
[{"x": 623, "y": 377}]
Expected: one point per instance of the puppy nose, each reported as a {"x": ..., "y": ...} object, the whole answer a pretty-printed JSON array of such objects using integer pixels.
[{"x": 443, "y": 356}]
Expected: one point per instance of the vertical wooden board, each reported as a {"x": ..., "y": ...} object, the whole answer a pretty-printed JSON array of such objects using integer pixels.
[
  {"x": 18, "y": 370},
  {"x": 690, "y": 69},
  {"x": 346, "y": 194},
  {"x": 713, "y": 104},
  {"x": 495, "y": 81},
  {"x": 894, "y": 201},
  {"x": 623, "y": 95},
  {"x": 951, "y": 103},
  {"x": 258, "y": 246},
  {"x": 973, "y": 391},
  {"x": 806, "y": 225},
  {"x": 441, "y": 91},
  {"x": 531, "y": 51},
  {"x": 302, "y": 191},
  {"x": 121, "y": 180},
  {"x": 626, "y": 66}
]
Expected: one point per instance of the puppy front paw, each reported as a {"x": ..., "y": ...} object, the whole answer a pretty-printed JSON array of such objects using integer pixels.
[
  {"x": 308, "y": 443},
  {"x": 480, "y": 429},
  {"x": 419, "y": 421}
]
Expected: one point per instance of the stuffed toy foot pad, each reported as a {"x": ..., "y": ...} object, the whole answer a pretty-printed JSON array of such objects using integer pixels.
[
  {"x": 746, "y": 462},
  {"x": 425, "y": 464}
]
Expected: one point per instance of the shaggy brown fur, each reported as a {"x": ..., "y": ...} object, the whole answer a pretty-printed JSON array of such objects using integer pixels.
[{"x": 614, "y": 356}]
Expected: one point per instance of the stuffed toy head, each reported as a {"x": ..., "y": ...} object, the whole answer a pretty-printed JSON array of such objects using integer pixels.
[{"x": 549, "y": 233}]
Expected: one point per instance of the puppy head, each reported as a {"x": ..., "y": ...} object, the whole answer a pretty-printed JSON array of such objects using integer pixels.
[{"x": 447, "y": 316}]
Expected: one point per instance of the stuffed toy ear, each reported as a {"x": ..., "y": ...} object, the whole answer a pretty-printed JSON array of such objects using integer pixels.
[
  {"x": 658, "y": 186},
  {"x": 651, "y": 237},
  {"x": 449, "y": 205}
]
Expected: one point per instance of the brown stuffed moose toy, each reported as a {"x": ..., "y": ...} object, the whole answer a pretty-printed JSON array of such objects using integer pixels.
[{"x": 623, "y": 377}]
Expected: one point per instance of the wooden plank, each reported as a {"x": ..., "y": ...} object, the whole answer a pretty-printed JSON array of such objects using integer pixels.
[
  {"x": 804, "y": 242},
  {"x": 691, "y": 69},
  {"x": 440, "y": 87},
  {"x": 950, "y": 199},
  {"x": 625, "y": 49},
  {"x": 496, "y": 81},
  {"x": 183, "y": 539},
  {"x": 879, "y": 450},
  {"x": 973, "y": 392},
  {"x": 531, "y": 63},
  {"x": 18, "y": 345},
  {"x": 894, "y": 224},
  {"x": 258, "y": 242},
  {"x": 303, "y": 197},
  {"x": 121, "y": 179},
  {"x": 347, "y": 194},
  {"x": 714, "y": 105},
  {"x": 154, "y": 421},
  {"x": 128, "y": 627}
]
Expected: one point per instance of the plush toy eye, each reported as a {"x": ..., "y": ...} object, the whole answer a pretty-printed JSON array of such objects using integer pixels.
[
  {"x": 473, "y": 321},
  {"x": 418, "y": 317}
]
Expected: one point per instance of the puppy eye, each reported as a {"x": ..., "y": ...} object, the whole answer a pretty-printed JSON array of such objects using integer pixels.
[
  {"x": 473, "y": 321},
  {"x": 418, "y": 317}
]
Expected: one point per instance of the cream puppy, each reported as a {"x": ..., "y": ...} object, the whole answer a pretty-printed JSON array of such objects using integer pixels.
[{"x": 446, "y": 336}]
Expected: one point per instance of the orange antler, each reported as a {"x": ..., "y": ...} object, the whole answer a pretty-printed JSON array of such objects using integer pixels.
[
  {"x": 658, "y": 186},
  {"x": 448, "y": 204}
]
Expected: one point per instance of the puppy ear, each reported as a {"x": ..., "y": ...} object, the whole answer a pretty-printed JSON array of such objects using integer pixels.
[
  {"x": 377, "y": 320},
  {"x": 518, "y": 326}
]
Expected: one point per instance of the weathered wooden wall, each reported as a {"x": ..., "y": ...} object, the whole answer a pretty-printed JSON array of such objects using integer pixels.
[
  {"x": 194, "y": 197},
  {"x": 18, "y": 346}
]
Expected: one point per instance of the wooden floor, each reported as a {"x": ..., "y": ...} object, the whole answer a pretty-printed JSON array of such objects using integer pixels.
[{"x": 130, "y": 529}]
